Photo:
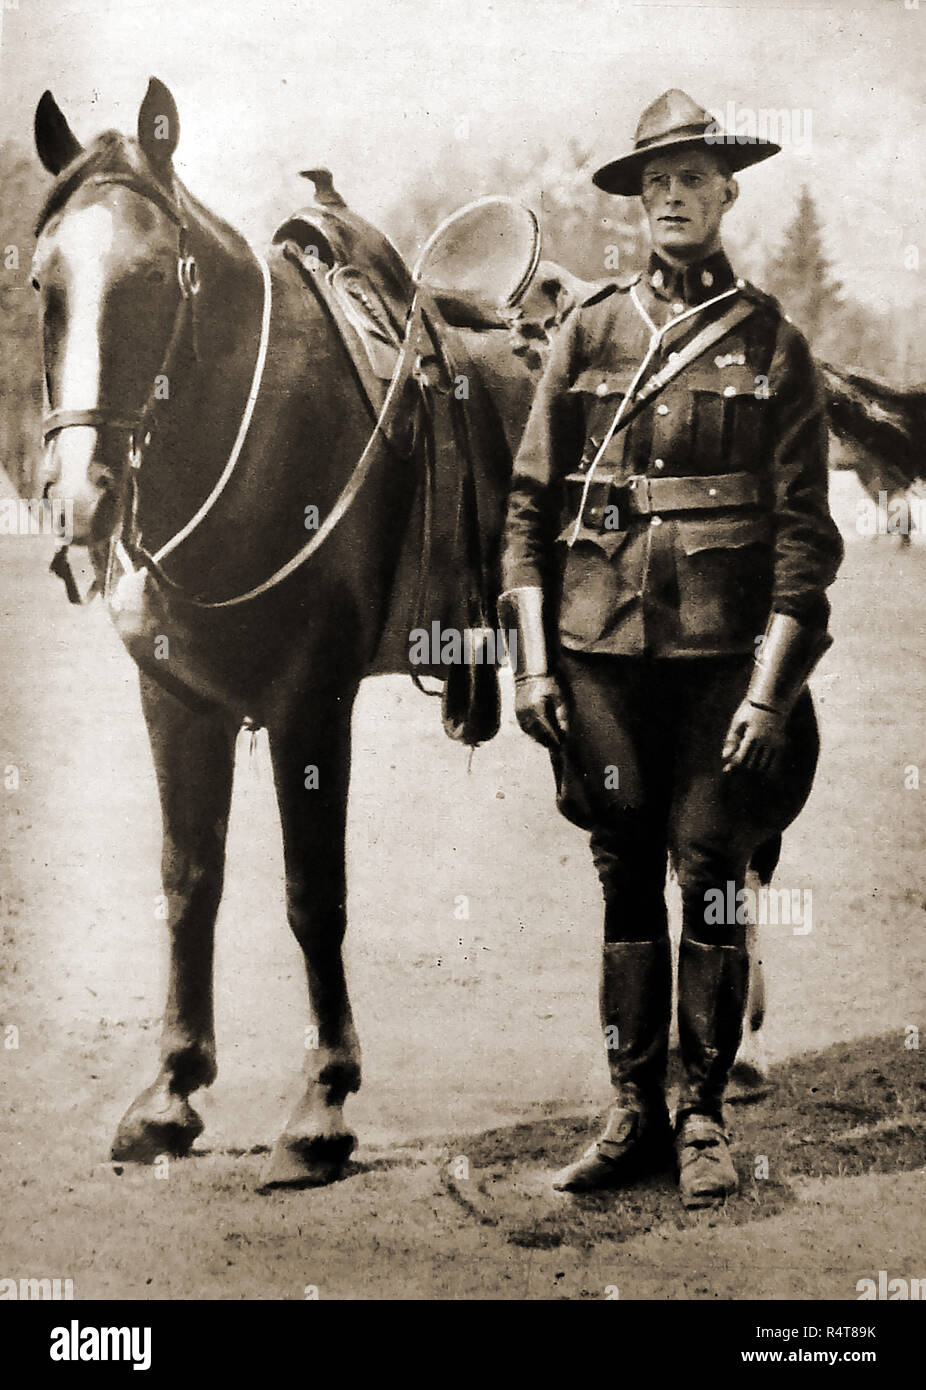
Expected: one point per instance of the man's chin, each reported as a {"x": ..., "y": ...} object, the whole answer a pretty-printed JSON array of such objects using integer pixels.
[{"x": 678, "y": 241}]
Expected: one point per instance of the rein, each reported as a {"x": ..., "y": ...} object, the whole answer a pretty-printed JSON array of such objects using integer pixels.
[
  {"x": 244, "y": 425},
  {"x": 341, "y": 506}
]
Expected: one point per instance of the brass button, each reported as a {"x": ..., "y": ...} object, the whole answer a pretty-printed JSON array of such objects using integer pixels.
[
  {"x": 655, "y": 521},
  {"x": 673, "y": 356},
  {"x": 712, "y": 492},
  {"x": 678, "y": 308},
  {"x": 601, "y": 389},
  {"x": 729, "y": 390},
  {"x": 662, "y": 410},
  {"x": 659, "y": 463}
]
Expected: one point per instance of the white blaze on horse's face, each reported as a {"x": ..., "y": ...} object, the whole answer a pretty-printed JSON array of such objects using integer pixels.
[{"x": 107, "y": 274}]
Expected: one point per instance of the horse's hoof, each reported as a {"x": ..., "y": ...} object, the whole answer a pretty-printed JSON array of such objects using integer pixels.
[
  {"x": 156, "y": 1125},
  {"x": 308, "y": 1161}
]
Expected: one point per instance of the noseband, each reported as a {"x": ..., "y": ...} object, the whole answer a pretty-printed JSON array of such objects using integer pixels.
[{"x": 136, "y": 426}]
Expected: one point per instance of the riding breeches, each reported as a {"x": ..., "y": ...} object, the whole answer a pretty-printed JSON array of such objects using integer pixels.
[{"x": 644, "y": 745}]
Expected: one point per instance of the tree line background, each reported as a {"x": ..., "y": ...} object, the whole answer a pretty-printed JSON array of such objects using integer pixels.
[{"x": 591, "y": 234}]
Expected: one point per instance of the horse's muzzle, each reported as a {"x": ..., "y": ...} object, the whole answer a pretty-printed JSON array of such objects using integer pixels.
[{"x": 86, "y": 472}]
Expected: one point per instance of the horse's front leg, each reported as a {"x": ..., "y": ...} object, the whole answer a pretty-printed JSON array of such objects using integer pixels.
[
  {"x": 311, "y": 764},
  {"x": 194, "y": 763}
]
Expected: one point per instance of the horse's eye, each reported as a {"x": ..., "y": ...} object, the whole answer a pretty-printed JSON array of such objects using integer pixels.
[{"x": 35, "y": 284}]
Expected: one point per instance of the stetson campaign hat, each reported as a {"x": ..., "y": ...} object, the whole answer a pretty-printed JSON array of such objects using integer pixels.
[{"x": 672, "y": 121}]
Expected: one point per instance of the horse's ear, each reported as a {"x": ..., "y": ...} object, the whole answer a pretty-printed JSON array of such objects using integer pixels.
[
  {"x": 55, "y": 142},
  {"x": 158, "y": 126}
]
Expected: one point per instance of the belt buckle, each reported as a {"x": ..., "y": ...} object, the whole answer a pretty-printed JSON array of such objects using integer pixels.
[{"x": 639, "y": 487}]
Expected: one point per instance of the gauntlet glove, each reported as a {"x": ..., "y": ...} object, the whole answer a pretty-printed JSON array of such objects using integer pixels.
[
  {"x": 757, "y": 733},
  {"x": 539, "y": 704}
]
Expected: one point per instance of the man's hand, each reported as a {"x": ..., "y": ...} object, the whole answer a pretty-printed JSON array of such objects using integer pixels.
[
  {"x": 541, "y": 709},
  {"x": 755, "y": 739}
]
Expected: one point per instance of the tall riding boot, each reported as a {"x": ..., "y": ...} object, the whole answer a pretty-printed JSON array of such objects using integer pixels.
[
  {"x": 636, "y": 995},
  {"x": 712, "y": 987}
]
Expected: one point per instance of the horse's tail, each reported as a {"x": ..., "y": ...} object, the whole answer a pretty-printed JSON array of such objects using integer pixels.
[{"x": 765, "y": 859}]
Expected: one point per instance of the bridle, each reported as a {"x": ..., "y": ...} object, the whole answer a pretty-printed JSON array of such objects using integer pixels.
[{"x": 137, "y": 426}]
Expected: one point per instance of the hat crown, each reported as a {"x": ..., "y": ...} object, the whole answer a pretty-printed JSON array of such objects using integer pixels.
[
  {"x": 675, "y": 111},
  {"x": 674, "y": 121}
]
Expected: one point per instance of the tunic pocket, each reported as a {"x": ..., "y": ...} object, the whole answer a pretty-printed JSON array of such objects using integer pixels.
[
  {"x": 724, "y": 566},
  {"x": 729, "y": 416},
  {"x": 601, "y": 393},
  {"x": 601, "y": 575}
]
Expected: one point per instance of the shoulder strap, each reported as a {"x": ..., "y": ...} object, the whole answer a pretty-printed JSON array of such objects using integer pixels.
[{"x": 604, "y": 289}]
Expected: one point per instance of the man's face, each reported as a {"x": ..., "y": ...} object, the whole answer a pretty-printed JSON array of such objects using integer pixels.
[{"x": 685, "y": 194}]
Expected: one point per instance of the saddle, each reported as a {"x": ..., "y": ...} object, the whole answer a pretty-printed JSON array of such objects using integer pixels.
[{"x": 470, "y": 273}]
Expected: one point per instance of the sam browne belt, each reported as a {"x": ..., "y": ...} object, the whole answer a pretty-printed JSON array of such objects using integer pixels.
[{"x": 641, "y": 495}]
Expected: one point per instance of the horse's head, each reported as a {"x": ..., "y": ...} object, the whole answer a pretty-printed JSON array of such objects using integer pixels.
[{"x": 114, "y": 278}]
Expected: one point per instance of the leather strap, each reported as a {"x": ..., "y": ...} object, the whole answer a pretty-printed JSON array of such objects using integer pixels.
[
  {"x": 678, "y": 361},
  {"x": 644, "y": 495},
  {"x": 96, "y": 416},
  {"x": 698, "y": 1130}
]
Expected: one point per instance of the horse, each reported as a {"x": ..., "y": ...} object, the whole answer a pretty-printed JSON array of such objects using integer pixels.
[{"x": 200, "y": 401}]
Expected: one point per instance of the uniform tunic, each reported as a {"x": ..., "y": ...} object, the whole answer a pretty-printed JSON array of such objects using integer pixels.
[{"x": 684, "y": 583}]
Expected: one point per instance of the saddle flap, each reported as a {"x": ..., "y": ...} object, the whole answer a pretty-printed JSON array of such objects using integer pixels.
[{"x": 369, "y": 316}]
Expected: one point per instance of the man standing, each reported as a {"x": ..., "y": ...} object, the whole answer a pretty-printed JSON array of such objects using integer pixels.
[{"x": 667, "y": 550}]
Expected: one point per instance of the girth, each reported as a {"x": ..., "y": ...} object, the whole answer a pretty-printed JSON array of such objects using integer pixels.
[{"x": 642, "y": 495}]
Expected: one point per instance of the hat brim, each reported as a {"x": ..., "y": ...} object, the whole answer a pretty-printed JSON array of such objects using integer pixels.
[{"x": 623, "y": 176}]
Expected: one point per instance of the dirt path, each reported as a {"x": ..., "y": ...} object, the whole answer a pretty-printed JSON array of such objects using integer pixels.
[{"x": 480, "y": 1035}]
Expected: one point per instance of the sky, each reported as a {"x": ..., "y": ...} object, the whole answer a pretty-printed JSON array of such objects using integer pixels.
[{"x": 373, "y": 90}]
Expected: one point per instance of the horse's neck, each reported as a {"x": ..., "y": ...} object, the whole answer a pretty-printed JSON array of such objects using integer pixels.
[
  {"x": 308, "y": 428},
  {"x": 194, "y": 428}
]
